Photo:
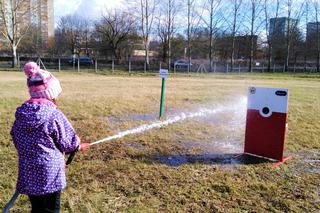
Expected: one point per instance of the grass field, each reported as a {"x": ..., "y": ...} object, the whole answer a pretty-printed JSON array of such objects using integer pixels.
[{"x": 188, "y": 166}]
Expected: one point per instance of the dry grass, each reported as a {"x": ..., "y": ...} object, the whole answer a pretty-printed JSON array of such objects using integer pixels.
[{"x": 126, "y": 176}]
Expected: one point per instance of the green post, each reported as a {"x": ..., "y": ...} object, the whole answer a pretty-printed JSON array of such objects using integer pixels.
[{"x": 162, "y": 97}]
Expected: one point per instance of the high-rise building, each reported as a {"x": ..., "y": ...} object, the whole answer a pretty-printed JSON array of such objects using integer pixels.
[
  {"x": 280, "y": 26},
  {"x": 36, "y": 14},
  {"x": 313, "y": 29}
]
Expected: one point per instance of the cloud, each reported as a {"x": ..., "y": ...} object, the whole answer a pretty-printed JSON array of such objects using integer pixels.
[{"x": 91, "y": 9}]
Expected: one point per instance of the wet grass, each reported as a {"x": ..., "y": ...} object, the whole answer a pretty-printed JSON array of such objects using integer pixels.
[{"x": 136, "y": 174}]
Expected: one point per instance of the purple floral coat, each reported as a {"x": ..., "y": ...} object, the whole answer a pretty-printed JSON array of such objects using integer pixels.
[{"x": 41, "y": 134}]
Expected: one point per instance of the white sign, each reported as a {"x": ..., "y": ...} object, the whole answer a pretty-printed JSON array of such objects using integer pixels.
[
  {"x": 268, "y": 100},
  {"x": 163, "y": 73}
]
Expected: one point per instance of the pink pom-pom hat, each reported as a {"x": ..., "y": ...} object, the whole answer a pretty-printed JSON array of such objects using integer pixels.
[{"x": 41, "y": 83}]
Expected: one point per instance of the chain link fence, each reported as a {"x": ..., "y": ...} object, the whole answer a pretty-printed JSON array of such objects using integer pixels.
[{"x": 100, "y": 64}]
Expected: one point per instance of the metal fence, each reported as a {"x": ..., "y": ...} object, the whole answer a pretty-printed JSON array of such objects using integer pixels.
[{"x": 104, "y": 64}]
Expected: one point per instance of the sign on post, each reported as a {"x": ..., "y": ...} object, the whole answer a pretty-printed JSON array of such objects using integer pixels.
[
  {"x": 266, "y": 122},
  {"x": 164, "y": 75}
]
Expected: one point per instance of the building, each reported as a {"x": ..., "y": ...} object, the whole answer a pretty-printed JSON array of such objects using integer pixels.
[
  {"x": 36, "y": 14},
  {"x": 313, "y": 30},
  {"x": 280, "y": 26}
]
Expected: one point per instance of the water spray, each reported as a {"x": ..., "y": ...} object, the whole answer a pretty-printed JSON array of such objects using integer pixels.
[{"x": 202, "y": 112}]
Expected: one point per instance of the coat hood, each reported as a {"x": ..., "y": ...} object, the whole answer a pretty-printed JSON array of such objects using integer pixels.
[{"x": 32, "y": 114}]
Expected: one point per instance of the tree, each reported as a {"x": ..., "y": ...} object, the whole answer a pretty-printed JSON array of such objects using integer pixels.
[
  {"x": 13, "y": 25},
  {"x": 270, "y": 37},
  {"x": 316, "y": 10},
  {"x": 235, "y": 14},
  {"x": 115, "y": 29},
  {"x": 292, "y": 32},
  {"x": 147, "y": 12},
  {"x": 255, "y": 13},
  {"x": 212, "y": 7},
  {"x": 166, "y": 28},
  {"x": 70, "y": 30}
]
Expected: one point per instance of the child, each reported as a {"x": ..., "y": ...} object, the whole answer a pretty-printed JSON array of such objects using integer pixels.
[{"x": 42, "y": 134}]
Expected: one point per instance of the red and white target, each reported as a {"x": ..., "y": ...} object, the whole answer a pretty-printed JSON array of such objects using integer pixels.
[{"x": 267, "y": 112}]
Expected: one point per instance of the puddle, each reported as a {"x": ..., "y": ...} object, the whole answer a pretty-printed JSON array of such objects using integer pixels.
[
  {"x": 203, "y": 147},
  {"x": 137, "y": 146},
  {"x": 307, "y": 161},
  {"x": 209, "y": 159}
]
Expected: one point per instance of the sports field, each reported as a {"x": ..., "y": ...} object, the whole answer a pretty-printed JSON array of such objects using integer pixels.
[{"x": 192, "y": 165}]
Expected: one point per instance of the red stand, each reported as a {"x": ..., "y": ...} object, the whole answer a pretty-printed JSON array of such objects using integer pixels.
[{"x": 266, "y": 123}]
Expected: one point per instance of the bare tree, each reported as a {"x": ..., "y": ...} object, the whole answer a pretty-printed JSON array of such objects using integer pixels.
[
  {"x": 166, "y": 28},
  {"x": 235, "y": 14},
  {"x": 147, "y": 12},
  {"x": 306, "y": 43},
  {"x": 71, "y": 28},
  {"x": 213, "y": 6},
  {"x": 267, "y": 13},
  {"x": 255, "y": 13},
  {"x": 170, "y": 22},
  {"x": 14, "y": 27},
  {"x": 86, "y": 34},
  {"x": 115, "y": 28},
  {"x": 190, "y": 3},
  {"x": 292, "y": 29},
  {"x": 317, "y": 10}
]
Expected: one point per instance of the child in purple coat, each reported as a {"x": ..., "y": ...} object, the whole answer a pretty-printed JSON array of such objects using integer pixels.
[{"x": 42, "y": 134}]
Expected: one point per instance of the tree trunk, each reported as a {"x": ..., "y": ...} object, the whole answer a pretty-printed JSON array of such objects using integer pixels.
[
  {"x": 253, "y": 14},
  {"x": 211, "y": 35},
  {"x": 189, "y": 51},
  {"x": 14, "y": 57},
  {"x": 146, "y": 58},
  {"x": 269, "y": 56}
]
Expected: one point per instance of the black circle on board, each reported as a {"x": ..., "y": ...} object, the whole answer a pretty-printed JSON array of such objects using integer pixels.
[{"x": 265, "y": 110}]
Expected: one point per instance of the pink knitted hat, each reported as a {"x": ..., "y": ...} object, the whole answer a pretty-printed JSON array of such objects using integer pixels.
[{"x": 41, "y": 83}]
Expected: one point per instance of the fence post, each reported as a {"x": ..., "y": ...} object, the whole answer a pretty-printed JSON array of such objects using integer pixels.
[
  {"x": 78, "y": 64},
  {"x": 274, "y": 67},
  {"x": 284, "y": 68},
  {"x": 214, "y": 67},
  {"x": 145, "y": 67},
  {"x": 112, "y": 64},
  {"x": 129, "y": 65},
  {"x": 96, "y": 65},
  {"x": 59, "y": 65},
  {"x": 227, "y": 67}
]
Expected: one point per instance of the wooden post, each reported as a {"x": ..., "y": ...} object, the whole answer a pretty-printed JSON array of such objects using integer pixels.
[{"x": 129, "y": 65}]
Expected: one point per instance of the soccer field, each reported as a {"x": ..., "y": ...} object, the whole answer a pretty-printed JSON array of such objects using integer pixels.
[{"x": 188, "y": 166}]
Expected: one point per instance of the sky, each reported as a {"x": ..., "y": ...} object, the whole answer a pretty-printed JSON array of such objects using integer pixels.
[{"x": 92, "y": 9}]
